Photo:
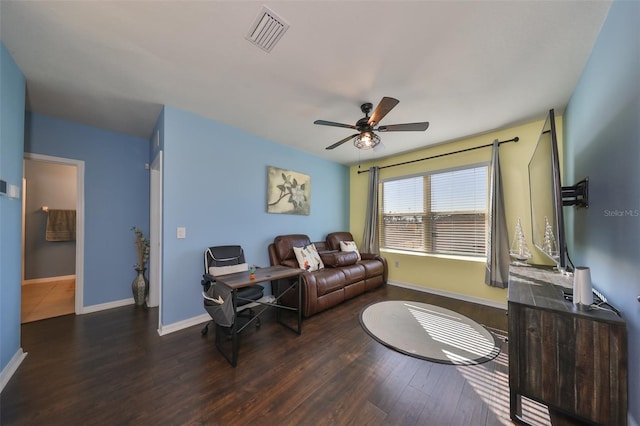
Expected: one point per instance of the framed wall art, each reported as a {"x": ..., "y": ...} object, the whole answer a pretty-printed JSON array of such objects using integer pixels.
[{"x": 288, "y": 192}]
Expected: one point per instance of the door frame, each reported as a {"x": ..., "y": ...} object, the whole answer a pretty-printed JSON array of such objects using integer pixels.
[
  {"x": 79, "y": 164},
  {"x": 155, "y": 236}
]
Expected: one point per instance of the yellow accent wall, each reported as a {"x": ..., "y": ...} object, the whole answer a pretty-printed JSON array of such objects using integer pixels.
[{"x": 462, "y": 277}]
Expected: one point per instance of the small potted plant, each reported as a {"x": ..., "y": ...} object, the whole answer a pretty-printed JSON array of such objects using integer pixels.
[{"x": 140, "y": 285}]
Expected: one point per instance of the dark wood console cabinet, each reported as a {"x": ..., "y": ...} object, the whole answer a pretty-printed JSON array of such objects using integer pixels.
[{"x": 572, "y": 360}]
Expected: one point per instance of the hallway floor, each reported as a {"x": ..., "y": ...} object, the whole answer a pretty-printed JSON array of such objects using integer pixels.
[{"x": 48, "y": 300}]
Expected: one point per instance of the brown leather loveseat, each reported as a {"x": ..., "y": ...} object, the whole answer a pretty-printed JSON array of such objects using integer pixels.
[{"x": 343, "y": 275}]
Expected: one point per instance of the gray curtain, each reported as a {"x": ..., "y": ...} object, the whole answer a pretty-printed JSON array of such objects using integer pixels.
[
  {"x": 370, "y": 236},
  {"x": 497, "y": 274}
]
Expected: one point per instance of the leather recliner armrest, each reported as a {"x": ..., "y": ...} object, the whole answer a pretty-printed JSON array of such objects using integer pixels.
[
  {"x": 309, "y": 285},
  {"x": 373, "y": 256}
]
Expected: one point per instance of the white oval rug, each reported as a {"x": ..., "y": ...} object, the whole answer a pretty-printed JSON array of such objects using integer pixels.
[{"x": 429, "y": 332}]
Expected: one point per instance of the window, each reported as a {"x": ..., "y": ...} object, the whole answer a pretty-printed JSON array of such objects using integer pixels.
[{"x": 443, "y": 212}]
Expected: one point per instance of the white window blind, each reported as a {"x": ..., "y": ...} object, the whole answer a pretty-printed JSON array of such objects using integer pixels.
[{"x": 441, "y": 212}]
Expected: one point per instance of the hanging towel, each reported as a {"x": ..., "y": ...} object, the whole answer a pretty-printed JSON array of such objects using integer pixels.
[{"x": 61, "y": 225}]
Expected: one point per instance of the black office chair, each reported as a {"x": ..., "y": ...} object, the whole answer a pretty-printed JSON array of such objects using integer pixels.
[{"x": 222, "y": 260}]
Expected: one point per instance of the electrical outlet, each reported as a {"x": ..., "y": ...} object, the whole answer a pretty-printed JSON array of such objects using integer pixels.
[{"x": 397, "y": 263}]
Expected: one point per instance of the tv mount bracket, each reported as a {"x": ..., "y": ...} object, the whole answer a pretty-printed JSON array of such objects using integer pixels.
[{"x": 576, "y": 195}]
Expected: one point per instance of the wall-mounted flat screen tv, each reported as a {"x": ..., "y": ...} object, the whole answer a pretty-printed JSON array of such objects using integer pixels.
[{"x": 545, "y": 190}]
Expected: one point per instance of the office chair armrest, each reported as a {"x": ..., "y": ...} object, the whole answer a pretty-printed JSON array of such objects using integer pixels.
[{"x": 207, "y": 280}]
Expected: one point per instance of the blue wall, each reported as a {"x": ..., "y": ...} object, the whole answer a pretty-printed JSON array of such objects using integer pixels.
[
  {"x": 215, "y": 187},
  {"x": 602, "y": 141},
  {"x": 116, "y": 198},
  {"x": 12, "y": 102}
]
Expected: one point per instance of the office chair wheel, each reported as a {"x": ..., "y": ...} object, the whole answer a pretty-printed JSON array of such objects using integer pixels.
[
  {"x": 253, "y": 314},
  {"x": 205, "y": 330}
]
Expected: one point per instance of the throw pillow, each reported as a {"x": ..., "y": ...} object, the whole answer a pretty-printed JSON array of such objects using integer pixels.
[
  {"x": 350, "y": 246},
  {"x": 308, "y": 258}
]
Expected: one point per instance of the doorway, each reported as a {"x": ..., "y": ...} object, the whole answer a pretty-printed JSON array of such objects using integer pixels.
[
  {"x": 52, "y": 268},
  {"x": 155, "y": 227}
]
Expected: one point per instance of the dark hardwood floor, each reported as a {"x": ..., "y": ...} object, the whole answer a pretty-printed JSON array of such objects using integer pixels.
[{"x": 112, "y": 368}]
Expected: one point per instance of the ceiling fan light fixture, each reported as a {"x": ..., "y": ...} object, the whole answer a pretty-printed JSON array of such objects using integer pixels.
[{"x": 366, "y": 140}]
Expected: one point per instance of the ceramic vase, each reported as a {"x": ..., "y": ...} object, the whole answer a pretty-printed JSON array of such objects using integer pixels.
[{"x": 140, "y": 287}]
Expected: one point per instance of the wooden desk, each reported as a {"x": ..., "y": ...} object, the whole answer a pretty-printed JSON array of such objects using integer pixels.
[
  {"x": 243, "y": 279},
  {"x": 573, "y": 360}
]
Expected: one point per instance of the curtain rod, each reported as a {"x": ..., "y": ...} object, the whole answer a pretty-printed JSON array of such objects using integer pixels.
[{"x": 516, "y": 139}]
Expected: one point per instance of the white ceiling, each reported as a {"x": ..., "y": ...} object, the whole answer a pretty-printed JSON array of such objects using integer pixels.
[{"x": 467, "y": 67}]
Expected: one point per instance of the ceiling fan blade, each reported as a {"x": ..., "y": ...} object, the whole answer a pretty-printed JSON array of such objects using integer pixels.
[
  {"x": 383, "y": 108},
  {"x": 409, "y": 127},
  {"x": 334, "y": 124},
  {"x": 340, "y": 142}
]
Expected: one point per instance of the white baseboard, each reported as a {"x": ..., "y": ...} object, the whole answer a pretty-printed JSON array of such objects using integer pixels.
[
  {"x": 190, "y": 322},
  {"x": 11, "y": 367},
  {"x": 176, "y": 326},
  {"x": 48, "y": 279},
  {"x": 181, "y": 325},
  {"x": 478, "y": 300},
  {"x": 108, "y": 305}
]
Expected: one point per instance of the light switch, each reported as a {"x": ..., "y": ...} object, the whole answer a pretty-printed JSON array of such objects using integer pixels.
[
  {"x": 182, "y": 232},
  {"x": 13, "y": 191}
]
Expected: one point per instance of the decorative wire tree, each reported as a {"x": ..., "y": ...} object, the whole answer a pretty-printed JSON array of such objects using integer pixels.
[
  {"x": 519, "y": 248},
  {"x": 549, "y": 242}
]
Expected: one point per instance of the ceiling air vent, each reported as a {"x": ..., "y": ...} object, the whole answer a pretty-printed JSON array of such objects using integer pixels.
[{"x": 267, "y": 29}]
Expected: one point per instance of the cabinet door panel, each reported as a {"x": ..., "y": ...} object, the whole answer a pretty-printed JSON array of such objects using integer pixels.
[{"x": 571, "y": 358}]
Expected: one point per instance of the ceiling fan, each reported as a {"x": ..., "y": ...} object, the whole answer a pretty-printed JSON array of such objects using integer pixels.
[{"x": 366, "y": 126}]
